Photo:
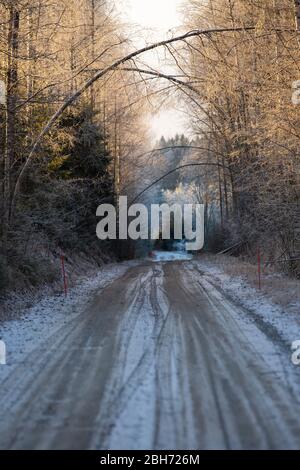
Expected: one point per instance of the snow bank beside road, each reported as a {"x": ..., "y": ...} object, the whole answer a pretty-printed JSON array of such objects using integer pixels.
[
  {"x": 284, "y": 322},
  {"x": 268, "y": 327},
  {"x": 47, "y": 316}
]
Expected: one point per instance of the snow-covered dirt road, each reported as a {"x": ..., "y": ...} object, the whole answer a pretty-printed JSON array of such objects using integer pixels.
[{"x": 159, "y": 359}]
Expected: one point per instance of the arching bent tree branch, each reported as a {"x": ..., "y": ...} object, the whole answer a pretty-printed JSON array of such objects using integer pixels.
[
  {"x": 102, "y": 73},
  {"x": 170, "y": 173},
  {"x": 115, "y": 65},
  {"x": 154, "y": 74},
  {"x": 187, "y": 147}
]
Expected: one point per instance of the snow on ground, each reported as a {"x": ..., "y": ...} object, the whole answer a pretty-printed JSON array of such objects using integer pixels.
[
  {"x": 269, "y": 327},
  {"x": 135, "y": 408},
  {"x": 262, "y": 319},
  {"x": 170, "y": 256},
  {"x": 154, "y": 386},
  {"x": 47, "y": 316},
  {"x": 283, "y": 320}
]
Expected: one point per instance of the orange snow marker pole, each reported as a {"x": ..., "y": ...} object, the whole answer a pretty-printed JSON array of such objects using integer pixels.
[
  {"x": 63, "y": 269},
  {"x": 259, "y": 267}
]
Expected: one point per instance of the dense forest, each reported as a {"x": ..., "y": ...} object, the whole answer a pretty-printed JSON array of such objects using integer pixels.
[
  {"x": 48, "y": 50},
  {"x": 245, "y": 110},
  {"x": 236, "y": 79}
]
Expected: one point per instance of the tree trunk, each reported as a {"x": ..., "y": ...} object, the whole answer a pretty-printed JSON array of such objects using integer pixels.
[
  {"x": 93, "y": 53},
  {"x": 220, "y": 193},
  {"x": 297, "y": 5},
  {"x": 11, "y": 101}
]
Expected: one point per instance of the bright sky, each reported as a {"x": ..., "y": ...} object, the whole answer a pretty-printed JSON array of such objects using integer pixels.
[{"x": 159, "y": 16}]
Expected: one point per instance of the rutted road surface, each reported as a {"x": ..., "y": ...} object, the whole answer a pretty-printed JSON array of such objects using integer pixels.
[{"x": 157, "y": 361}]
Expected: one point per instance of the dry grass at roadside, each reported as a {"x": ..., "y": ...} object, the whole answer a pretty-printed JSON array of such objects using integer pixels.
[{"x": 280, "y": 288}]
